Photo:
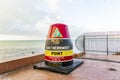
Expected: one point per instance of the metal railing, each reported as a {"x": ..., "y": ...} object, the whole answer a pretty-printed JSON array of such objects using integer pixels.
[{"x": 99, "y": 43}]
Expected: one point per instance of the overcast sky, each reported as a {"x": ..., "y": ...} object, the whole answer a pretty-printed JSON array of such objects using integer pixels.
[{"x": 31, "y": 19}]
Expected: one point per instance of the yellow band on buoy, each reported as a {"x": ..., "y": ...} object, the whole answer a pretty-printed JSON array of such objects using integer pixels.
[{"x": 58, "y": 53}]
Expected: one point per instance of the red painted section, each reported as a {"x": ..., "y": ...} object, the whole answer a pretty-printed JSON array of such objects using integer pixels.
[
  {"x": 62, "y": 28},
  {"x": 58, "y": 59}
]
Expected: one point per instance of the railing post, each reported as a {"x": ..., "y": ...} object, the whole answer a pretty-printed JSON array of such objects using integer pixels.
[
  {"x": 107, "y": 45},
  {"x": 84, "y": 43}
]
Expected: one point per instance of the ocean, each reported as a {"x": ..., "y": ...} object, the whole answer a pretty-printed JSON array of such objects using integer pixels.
[{"x": 10, "y": 49}]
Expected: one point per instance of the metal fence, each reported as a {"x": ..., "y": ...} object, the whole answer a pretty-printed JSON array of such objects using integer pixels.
[{"x": 106, "y": 43}]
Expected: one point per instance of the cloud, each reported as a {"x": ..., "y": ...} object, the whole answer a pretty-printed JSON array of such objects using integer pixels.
[
  {"x": 44, "y": 24},
  {"x": 70, "y": 1},
  {"x": 18, "y": 17},
  {"x": 52, "y": 4},
  {"x": 32, "y": 18},
  {"x": 15, "y": 37}
]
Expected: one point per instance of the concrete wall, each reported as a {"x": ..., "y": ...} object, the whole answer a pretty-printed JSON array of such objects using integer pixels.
[
  {"x": 10, "y": 65},
  {"x": 18, "y": 63}
]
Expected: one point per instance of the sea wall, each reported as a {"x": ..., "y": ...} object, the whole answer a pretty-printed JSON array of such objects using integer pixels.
[{"x": 19, "y": 63}]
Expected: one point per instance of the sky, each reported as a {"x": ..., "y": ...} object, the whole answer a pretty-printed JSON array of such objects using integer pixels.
[{"x": 31, "y": 19}]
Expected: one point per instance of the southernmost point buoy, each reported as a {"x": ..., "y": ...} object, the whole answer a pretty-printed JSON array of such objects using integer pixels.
[
  {"x": 59, "y": 48},
  {"x": 58, "y": 51}
]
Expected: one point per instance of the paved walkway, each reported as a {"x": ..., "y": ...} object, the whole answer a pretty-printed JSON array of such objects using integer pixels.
[
  {"x": 89, "y": 70},
  {"x": 111, "y": 58}
]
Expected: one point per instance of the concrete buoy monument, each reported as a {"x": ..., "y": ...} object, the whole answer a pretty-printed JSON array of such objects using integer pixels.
[
  {"x": 58, "y": 51},
  {"x": 59, "y": 48}
]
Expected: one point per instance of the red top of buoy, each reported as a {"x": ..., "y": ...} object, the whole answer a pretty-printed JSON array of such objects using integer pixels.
[{"x": 58, "y": 30}]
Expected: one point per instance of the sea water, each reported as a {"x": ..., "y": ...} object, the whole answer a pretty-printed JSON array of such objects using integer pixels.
[{"x": 10, "y": 49}]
